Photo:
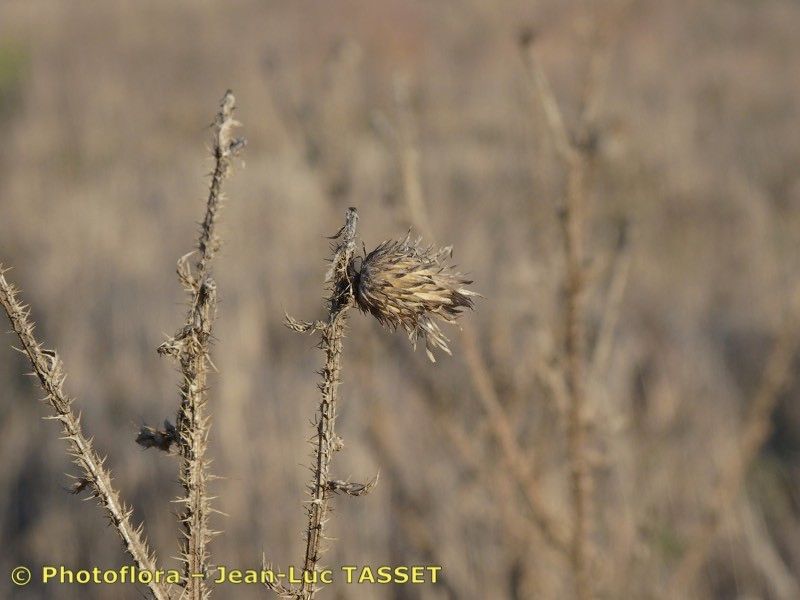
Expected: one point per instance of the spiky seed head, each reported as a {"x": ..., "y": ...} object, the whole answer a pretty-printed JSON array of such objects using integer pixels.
[{"x": 404, "y": 284}]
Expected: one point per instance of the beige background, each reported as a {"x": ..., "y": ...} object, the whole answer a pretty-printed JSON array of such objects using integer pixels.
[{"x": 103, "y": 115}]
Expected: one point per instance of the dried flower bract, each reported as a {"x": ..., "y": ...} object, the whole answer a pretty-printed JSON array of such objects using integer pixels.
[
  {"x": 163, "y": 439},
  {"x": 404, "y": 284}
]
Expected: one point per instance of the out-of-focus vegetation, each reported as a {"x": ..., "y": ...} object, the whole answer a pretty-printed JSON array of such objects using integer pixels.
[{"x": 417, "y": 113}]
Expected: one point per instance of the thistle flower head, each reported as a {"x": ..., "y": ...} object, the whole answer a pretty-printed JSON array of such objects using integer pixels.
[{"x": 404, "y": 284}]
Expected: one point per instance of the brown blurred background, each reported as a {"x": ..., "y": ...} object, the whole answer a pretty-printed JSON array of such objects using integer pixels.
[{"x": 104, "y": 110}]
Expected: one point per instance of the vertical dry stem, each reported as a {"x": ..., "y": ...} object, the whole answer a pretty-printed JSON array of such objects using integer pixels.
[
  {"x": 575, "y": 351},
  {"x": 515, "y": 458},
  {"x": 600, "y": 356},
  {"x": 575, "y": 161},
  {"x": 325, "y": 440},
  {"x": 191, "y": 345},
  {"x": 49, "y": 369},
  {"x": 192, "y": 427}
]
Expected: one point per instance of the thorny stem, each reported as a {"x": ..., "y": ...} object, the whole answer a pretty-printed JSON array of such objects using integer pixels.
[
  {"x": 193, "y": 435},
  {"x": 49, "y": 369},
  {"x": 192, "y": 345},
  {"x": 224, "y": 148},
  {"x": 326, "y": 441}
]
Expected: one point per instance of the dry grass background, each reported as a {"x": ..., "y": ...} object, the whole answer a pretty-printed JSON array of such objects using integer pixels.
[{"x": 102, "y": 165}]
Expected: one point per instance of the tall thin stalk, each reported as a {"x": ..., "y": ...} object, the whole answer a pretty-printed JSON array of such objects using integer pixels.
[
  {"x": 325, "y": 441},
  {"x": 575, "y": 352},
  {"x": 95, "y": 477},
  {"x": 516, "y": 458},
  {"x": 575, "y": 157},
  {"x": 191, "y": 346}
]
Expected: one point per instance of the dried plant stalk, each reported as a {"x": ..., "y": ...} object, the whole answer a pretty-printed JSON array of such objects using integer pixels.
[
  {"x": 600, "y": 355},
  {"x": 192, "y": 431},
  {"x": 575, "y": 152},
  {"x": 325, "y": 440},
  {"x": 515, "y": 457},
  {"x": 49, "y": 369},
  {"x": 574, "y": 157},
  {"x": 754, "y": 432},
  {"x": 191, "y": 346},
  {"x": 575, "y": 351}
]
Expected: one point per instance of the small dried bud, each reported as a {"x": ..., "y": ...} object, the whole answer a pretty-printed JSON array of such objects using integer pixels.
[
  {"x": 150, "y": 437},
  {"x": 403, "y": 284}
]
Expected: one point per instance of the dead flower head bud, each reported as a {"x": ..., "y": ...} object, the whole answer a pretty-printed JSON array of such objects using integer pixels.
[
  {"x": 404, "y": 284},
  {"x": 163, "y": 439}
]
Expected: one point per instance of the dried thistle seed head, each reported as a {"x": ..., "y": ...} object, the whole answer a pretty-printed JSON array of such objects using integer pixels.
[{"x": 403, "y": 284}]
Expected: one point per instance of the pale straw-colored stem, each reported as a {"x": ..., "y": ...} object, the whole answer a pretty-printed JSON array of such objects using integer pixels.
[
  {"x": 326, "y": 441},
  {"x": 95, "y": 477},
  {"x": 191, "y": 345}
]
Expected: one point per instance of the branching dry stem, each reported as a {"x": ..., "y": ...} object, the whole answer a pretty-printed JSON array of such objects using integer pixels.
[
  {"x": 574, "y": 156},
  {"x": 755, "y": 429},
  {"x": 515, "y": 457}
]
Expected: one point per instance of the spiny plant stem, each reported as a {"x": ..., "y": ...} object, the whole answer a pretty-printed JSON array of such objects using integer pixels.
[
  {"x": 193, "y": 435},
  {"x": 326, "y": 441},
  {"x": 49, "y": 369},
  {"x": 192, "y": 346}
]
